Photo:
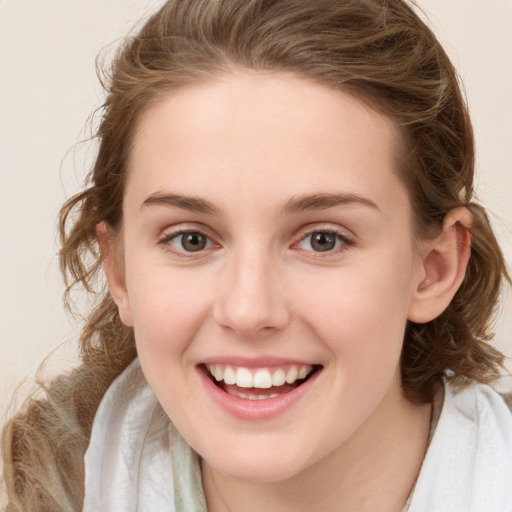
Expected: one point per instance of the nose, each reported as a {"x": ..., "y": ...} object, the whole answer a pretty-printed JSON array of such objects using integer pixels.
[{"x": 251, "y": 300}]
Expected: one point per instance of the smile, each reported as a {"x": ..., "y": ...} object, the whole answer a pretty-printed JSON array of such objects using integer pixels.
[{"x": 259, "y": 383}]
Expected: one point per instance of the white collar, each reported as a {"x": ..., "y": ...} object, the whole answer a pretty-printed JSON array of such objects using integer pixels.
[{"x": 468, "y": 466}]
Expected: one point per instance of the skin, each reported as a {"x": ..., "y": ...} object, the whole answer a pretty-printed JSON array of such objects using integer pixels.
[{"x": 249, "y": 145}]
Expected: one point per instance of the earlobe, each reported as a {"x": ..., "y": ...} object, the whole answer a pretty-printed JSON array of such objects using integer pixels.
[
  {"x": 444, "y": 266},
  {"x": 114, "y": 272}
]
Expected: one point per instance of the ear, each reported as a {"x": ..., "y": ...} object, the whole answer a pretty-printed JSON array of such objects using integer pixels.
[
  {"x": 114, "y": 271},
  {"x": 444, "y": 263}
]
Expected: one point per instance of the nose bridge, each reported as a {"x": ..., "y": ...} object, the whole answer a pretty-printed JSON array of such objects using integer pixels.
[{"x": 251, "y": 301}]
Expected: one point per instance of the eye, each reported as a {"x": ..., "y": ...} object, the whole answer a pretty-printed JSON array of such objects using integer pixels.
[
  {"x": 189, "y": 241},
  {"x": 322, "y": 241}
]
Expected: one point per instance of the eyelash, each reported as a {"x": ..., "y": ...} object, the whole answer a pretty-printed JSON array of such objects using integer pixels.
[{"x": 342, "y": 242}]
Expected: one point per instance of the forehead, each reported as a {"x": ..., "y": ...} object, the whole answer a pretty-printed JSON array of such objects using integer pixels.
[{"x": 243, "y": 134}]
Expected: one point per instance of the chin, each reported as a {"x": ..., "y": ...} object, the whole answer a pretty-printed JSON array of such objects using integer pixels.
[{"x": 267, "y": 466}]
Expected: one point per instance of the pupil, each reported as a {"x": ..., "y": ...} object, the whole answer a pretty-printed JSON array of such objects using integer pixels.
[
  {"x": 322, "y": 242},
  {"x": 193, "y": 242}
]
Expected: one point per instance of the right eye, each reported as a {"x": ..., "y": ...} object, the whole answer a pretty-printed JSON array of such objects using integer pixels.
[{"x": 188, "y": 241}]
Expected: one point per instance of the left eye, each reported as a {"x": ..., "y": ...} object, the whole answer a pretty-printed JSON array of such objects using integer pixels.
[
  {"x": 190, "y": 241},
  {"x": 321, "y": 241}
]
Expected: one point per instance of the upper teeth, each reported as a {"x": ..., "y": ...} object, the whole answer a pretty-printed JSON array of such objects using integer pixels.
[{"x": 263, "y": 378}]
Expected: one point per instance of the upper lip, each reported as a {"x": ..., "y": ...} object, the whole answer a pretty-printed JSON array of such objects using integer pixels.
[{"x": 260, "y": 362}]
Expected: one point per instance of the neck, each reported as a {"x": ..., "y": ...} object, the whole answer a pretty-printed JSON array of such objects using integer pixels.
[{"x": 374, "y": 470}]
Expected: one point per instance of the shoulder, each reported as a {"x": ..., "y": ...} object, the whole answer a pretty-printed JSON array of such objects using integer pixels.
[
  {"x": 468, "y": 465},
  {"x": 507, "y": 397},
  {"x": 479, "y": 404}
]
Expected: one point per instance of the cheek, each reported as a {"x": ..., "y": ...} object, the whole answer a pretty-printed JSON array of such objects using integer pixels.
[
  {"x": 167, "y": 308},
  {"x": 361, "y": 310},
  {"x": 167, "y": 311}
]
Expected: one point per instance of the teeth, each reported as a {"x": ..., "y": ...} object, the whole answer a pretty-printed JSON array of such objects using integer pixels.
[
  {"x": 229, "y": 375},
  {"x": 303, "y": 372},
  {"x": 233, "y": 392},
  {"x": 291, "y": 375},
  {"x": 263, "y": 378},
  {"x": 279, "y": 378},
  {"x": 243, "y": 378}
]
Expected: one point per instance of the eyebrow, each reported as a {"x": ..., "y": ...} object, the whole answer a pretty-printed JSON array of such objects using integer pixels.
[
  {"x": 311, "y": 202},
  {"x": 298, "y": 204},
  {"x": 189, "y": 203}
]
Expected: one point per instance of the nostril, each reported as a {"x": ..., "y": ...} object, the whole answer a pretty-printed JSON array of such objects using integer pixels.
[{"x": 252, "y": 323}]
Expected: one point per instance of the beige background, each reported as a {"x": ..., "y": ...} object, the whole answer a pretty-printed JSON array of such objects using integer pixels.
[{"x": 48, "y": 89}]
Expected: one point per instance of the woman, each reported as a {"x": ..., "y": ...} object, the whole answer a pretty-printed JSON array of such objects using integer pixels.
[{"x": 299, "y": 280}]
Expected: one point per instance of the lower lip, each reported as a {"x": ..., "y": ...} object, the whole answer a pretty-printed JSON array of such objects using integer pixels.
[{"x": 256, "y": 409}]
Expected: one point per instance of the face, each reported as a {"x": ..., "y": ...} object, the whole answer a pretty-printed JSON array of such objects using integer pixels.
[{"x": 268, "y": 270}]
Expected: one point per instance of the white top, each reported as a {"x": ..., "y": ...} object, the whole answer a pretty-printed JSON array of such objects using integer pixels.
[{"x": 137, "y": 461}]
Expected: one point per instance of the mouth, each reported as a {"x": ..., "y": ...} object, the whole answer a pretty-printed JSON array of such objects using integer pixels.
[{"x": 264, "y": 383}]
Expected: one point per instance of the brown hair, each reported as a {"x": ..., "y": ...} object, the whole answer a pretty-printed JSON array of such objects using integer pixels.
[{"x": 379, "y": 51}]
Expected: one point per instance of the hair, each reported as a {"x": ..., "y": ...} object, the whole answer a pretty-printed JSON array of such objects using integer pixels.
[{"x": 377, "y": 50}]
